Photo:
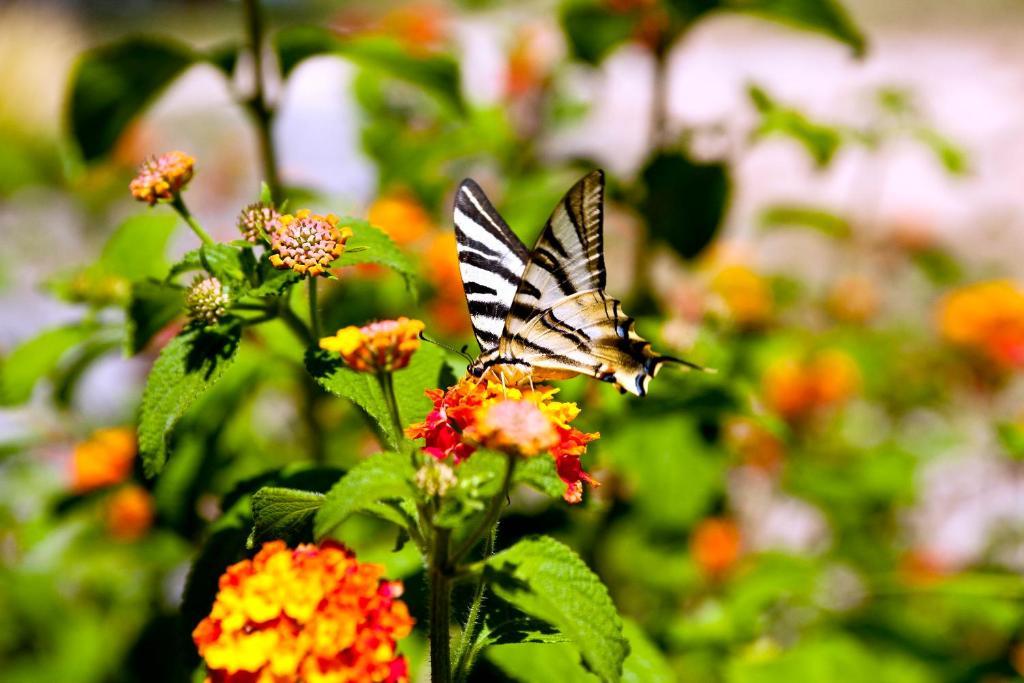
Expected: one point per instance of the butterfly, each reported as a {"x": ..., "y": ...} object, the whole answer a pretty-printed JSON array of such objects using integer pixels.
[{"x": 544, "y": 314}]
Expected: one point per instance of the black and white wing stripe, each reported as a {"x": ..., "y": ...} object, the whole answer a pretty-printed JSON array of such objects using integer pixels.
[
  {"x": 491, "y": 259},
  {"x": 569, "y": 256}
]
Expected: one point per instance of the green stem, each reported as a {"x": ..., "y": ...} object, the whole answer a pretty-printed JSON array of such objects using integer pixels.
[
  {"x": 314, "y": 313},
  {"x": 491, "y": 517},
  {"x": 440, "y": 609},
  {"x": 387, "y": 388},
  {"x": 293, "y": 321},
  {"x": 179, "y": 205},
  {"x": 262, "y": 113},
  {"x": 464, "y": 652}
]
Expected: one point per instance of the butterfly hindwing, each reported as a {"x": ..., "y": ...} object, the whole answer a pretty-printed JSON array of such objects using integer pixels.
[{"x": 491, "y": 260}]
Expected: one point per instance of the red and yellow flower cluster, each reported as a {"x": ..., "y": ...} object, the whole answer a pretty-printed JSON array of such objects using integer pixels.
[
  {"x": 161, "y": 178},
  {"x": 312, "y": 614},
  {"x": 987, "y": 318},
  {"x": 519, "y": 421},
  {"x": 796, "y": 387},
  {"x": 382, "y": 346}
]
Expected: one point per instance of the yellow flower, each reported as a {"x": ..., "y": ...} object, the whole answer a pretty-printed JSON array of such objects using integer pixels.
[
  {"x": 746, "y": 295},
  {"x": 308, "y": 614},
  {"x": 382, "y": 346},
  {"x": 104, "y": 459},
  {"x": 308, "y": 243},
  {"x": 161, "y": 178}
]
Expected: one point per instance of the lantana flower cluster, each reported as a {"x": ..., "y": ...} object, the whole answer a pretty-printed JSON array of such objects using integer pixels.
[
  {"x": 520, "y": 421},
  {"x": 798, "y": 387},
  {"x": 162, "y": 177},
  {"x": 308, "y": 243},
  {"x": 258, "y": 219},
  {"x": 104, "y": 459},
  {"x": 987, "y": 318},
  {"x": 313, "y": 614},
  {"x": 382, "y": 346}
]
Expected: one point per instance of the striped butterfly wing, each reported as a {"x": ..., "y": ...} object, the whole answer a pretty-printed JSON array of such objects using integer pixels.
[
  {"x": 561, "y": 322},
  {"x": 491, "y": 260}
]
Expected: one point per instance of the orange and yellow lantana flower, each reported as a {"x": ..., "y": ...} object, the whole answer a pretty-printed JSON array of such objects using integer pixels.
[
  {"x": 313, "y": 614},
  {"x": 473, "y": 413},
  {"x": 307, "y": 243},
  {"x": 988, "y": 318},
  {"x": 382, "y": 346},
  {"x": 162, "y": 177},
  {"x": 129, "y": 513},
  {"x": 104, "y": 459}
]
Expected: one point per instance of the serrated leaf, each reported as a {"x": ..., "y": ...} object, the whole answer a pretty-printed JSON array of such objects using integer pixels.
[
  {"x": 370, "y": 244},
  {"x": 113, "y": 84},
  {"x": 188, "y": 366},
  {"x": 35, "y": 359},
  {"x": 362, "y": 388},
  {"x": 547, "y": 580},
  {"x": 436, "y": 74},
  {"x": 137, "y": 249},
  {"x": 228, "y": 264},
  {"x": 151, "y": 308},
  {"x": 280, "y": 513},
  {"x": 372, "y": 486}
]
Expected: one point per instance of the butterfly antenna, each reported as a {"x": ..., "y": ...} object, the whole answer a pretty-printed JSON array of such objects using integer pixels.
[
  {"x": 688, "y": 364},
  {"x": 452, "y": 349}
]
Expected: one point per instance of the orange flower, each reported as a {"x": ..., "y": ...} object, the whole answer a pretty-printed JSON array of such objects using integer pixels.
[
  {"x": 746, "y": 294},
  {"x": 853, "y": 299},
  {"x": 796, "y": 388},
  {"x": 473, "y": 413},
  {"x": 715, "y": 545},
  {"x": 757, "y": 446},
  {"x": 420, "y": 27},
  {"x": 161, "y": 178},
  {"x": 987, "y": 318},
  {"x": 129, "y": 513},
  {"x": 448, "y": 309},
  {"x": 308, "y": 243},
  {"x": 104, "y": 459},
  {"x": 382, "y": 346},
  {"x": 309, "y": 614},
  {"x": 401, "y": 217}
]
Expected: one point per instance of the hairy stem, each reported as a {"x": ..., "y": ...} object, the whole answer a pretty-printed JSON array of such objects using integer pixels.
[
  {"x": 179, "y": 205},
  {"x": 440, "y": 609},
  {"x": 261, "y": 111},
  {"x": 465, "y": 651},
  {"x": 387, "y": 388},
  {"x": 491, "y": 517}
]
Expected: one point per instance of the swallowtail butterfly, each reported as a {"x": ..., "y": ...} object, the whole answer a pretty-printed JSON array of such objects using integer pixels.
[{"x": 543, "y": 314}]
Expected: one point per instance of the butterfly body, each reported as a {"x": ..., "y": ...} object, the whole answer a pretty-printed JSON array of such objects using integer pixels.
[{"x": 543, "y": 314}]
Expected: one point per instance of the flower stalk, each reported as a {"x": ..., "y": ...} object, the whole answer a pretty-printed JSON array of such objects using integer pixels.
[
  {"x": 261, "y": 110},
  {"x": 440, "y": 608},
  {"x": 179, "y": 205},
  {"x": 314, "y": 312}
]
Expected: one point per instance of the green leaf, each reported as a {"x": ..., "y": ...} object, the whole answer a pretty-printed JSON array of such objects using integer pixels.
[
  {"x": 374, "y": 246},
  {"x": 280, "y": 513},
  {"x": 547, "y": 580},
  {"x": 1011, "y": 438},
  {"x": 137, "y": 249},
  {"x": 672, "y": 180},
  {"x": 939, "y": 266},
  {"x": 821, "y": 16},
  {"x": 363, "y": 389},
  {"x": 677, "y": 466},
  {"x": 952, "y": 157},
  {"x": 805, "y": 216},
  {"x": 437, "y": 75},
  {"x": 151, "y": 308},
  {"x": 35, "y": 359},
  {"x": 230, "y": 265},
  {"x": 187, "y": 367},
  {"x": 273, "y": 280},
  {"x": 540, "y": 474},
  {"x": 645, "y": 663},
  {"x": 372, "y": 486},
  {"x": 113, "y": 84},
  {"x": 594, "y": 31},
  {"x": 819, "y": 140}
]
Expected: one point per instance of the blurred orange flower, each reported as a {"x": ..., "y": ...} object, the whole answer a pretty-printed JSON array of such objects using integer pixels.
[
  {"x": 129, "y": 513},
  {"x": 746, "y": 294},
  {"x": 402, "y": 217},
  {"x": 463, "y": 419},
  {"x": 752, "y": 442},
  {"x": 795, "y": 388},
  {"x": 715, "y": 544},
  {"x": 162, "y": 177},
  {"x": 987, "y": 318},
  {"x": 104, "y": 459},
  {"x": 310, "y": 614},
  {"x": 382, "y": 346},
  {"x": 448, "y": 310},
  {"x": 853, "y": 299}
]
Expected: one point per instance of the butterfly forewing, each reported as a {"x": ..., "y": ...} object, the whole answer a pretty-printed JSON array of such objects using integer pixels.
[{"x": 491, "y": 259}]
